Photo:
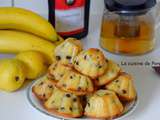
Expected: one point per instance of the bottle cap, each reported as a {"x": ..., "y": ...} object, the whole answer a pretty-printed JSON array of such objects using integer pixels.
[{"x": 129, "y": 6}]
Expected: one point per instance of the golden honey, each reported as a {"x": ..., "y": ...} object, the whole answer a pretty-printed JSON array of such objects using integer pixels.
[{"x": 130, "y": 39}]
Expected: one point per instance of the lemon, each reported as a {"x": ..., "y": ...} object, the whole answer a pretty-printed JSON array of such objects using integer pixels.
[{"x": 12, "y": 74}]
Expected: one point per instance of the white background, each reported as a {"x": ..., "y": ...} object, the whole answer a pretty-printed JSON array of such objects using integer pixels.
[{"x": 14, "y": 106}]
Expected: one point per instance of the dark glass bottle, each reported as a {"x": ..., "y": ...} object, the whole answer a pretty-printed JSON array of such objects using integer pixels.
[{"x": 70, "y": 17}]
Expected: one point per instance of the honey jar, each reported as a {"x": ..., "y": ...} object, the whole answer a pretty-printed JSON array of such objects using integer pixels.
[{"x": 128, "y": 26}]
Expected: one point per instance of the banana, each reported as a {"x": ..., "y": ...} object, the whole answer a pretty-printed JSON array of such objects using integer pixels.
[
  {"x": 17, "y": 41},
  {"x": 28, "y": 21}
]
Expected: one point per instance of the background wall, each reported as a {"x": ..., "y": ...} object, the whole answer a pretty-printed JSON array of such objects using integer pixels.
[{"x": 41, "y": 6}]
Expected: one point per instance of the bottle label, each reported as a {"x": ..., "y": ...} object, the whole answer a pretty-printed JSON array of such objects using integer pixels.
[{"x": 69, "y": 16}]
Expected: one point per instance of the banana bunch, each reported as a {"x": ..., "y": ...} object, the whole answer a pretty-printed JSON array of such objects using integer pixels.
[
  {"x": 22, "y": 30},
  {"x": 28, "y": 21}
]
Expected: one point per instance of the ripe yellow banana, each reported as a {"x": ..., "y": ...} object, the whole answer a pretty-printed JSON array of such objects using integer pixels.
[
  {"x": 28, "y": 21},
  {"x": 17, "y": 41}
]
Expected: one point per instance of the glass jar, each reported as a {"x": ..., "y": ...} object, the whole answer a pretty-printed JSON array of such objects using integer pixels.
[{"x": 128, "y": 26}]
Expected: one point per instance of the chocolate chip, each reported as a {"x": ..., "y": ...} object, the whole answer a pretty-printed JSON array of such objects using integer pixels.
[
  {"x": 61, "y": 75},
  {"x": 88, "y": 104},
  {"x": 124, "y": 91},
  {"x": 79, "y": 88},
  {"x": 16, "y": 78},
  {"x": 97, "y": 79},
  {"x": 64, "y": 85},
  {"x": 116, "y": 81},
  {"x": 85, "y": 57},
  {"x": 77, "y": 63},
  {"x": 52, "y": 101},
  {"x": 68, "y": 95},
  {"x": 97, "y": 50},
  {"x": 74, "y": 99},
  {"x": 71, "y": 77},
  {"x": 68, "y": 57},
  {"x": 99, "y": 66},
  {"x": 58, "y": 57},
  {"x": 41, "y": 83},
  {"x": 107, "y": 61},
  {"x": 87, "y": 83},
  {"x": 62, "y": 108},
  {"x": 44, "y": 95},
  {"x": 70, "y": 109},
  {"x": 50, "y": 86}
]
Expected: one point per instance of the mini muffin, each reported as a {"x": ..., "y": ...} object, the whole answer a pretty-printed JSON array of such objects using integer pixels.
[
  {"x": 91, "y": 62},
  {"x": 64, "y": 104},
  {"x": 103, "y": 104},
  {"x": 43, "y": 88},
  {"x": 66, "y": 51},
  {"x": 57, "y": 70},
  {"x": 110, "y": 74},
  {"x": 76, "y": 83},
  {"x": 124, "y": 87}
]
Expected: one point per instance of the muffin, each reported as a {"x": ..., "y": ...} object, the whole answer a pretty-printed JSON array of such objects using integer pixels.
[
  {"x": 66, "y": 51},
  {"x": 110, "y": 74},
  {"x": 124, "y": 87},
  {"x": 103, "y": 104},
  {"x": 43, "y": 88},
  {"x": 64, "y": 104},
  {"x": 57, "y": 70},
  {"x": 75, "y": 83},
  {"x": 91, "y": 62}
]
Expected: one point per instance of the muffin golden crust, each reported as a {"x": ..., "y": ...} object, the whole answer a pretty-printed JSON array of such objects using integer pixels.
[
  {"x": 110, "y": 74},
  {"x": 76, "y": 83},
  {"x": 91, "y": 62},
  {"x": 84, "y": 83},
  {"x": 124, "y": 87},
  {"x": 103, "y": 104},
  {"x": 57, "y": 70},
  {"x": 64, "y": 104},
  {"x": 43, "y": 89},
  {"x": 67, "y": 50}
]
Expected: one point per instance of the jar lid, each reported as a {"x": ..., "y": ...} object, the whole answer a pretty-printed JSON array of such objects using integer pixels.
[{"x": 129, "y": 5}]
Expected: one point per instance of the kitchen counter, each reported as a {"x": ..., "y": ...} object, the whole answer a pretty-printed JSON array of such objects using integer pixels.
[{"x": 15, "y": 106}]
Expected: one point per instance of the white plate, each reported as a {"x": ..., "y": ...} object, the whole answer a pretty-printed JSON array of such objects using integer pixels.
[{"x": 129, "y": 108}]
